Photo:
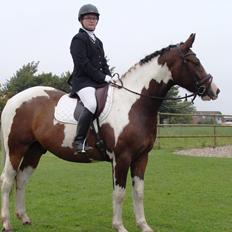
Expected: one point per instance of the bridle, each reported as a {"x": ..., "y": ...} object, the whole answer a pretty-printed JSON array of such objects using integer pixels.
[{"x": 200, "y": 87}]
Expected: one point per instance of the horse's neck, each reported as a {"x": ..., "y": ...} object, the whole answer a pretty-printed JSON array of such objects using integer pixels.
[{"x": 150, "y": 78}]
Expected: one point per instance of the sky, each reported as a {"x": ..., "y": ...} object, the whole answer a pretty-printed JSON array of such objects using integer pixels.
[{"x": 41, "y": 30}]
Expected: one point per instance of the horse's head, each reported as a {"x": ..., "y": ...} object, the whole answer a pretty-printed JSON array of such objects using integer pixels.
[{"x": 188, "y": 72}]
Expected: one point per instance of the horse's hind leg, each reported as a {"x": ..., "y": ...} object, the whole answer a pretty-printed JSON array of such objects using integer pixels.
[
  {"x": 21, "y": 180},
  {"x": 28, "y": 165},
  {"x": 137, "y": 174},
  {"x": 7, "y": 181}
]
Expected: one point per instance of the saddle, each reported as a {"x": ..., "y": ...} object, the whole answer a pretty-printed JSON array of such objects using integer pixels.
[
  {"x": 69, "y": 108},
  {"x": 101, "y": 96}
]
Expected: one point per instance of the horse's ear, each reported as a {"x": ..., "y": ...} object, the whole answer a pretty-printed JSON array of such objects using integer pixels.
[{"x": 188, "y": 43}]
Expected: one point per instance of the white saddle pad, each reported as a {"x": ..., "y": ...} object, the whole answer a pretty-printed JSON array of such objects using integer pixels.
[{"x": 64, "y": 110}]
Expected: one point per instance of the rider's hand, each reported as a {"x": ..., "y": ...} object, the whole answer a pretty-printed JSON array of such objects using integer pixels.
[
  {"x": 114, "y": 79},
  {"x": 108, "y": 79}
]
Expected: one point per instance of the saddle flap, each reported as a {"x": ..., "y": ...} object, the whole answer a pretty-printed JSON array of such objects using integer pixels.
[{"x": 101, "y": 96}]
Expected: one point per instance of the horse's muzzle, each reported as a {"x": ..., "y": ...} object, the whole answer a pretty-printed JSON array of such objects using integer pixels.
[{"x": 212, "y": 93}]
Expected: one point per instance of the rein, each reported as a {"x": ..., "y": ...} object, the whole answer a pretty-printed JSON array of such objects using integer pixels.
[{"x": 121, "y": 86}]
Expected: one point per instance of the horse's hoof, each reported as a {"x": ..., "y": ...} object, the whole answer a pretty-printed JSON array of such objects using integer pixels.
[
  {"x": 27, "y": 223},
  {"x": 7, "y": 230}
]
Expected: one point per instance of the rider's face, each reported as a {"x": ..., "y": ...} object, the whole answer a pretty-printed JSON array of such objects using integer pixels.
[{"x": 89, "y": 22}]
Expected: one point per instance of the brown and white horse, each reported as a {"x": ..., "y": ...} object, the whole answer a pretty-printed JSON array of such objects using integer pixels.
[{"x": 29, "y": 128}]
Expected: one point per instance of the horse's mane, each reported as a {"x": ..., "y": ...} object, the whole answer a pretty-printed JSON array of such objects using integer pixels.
[
  {"x": 156, "y": 53},
  {"x": 147, "y": 58}
]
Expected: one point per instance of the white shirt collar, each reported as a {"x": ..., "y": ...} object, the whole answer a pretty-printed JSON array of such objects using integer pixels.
[{"x": 90, "y": 33}]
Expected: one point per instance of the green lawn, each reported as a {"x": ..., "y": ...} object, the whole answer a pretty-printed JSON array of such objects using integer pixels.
[{"x": 182, "y": 194}]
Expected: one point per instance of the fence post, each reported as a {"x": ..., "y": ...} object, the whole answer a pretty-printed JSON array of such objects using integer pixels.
[
  {"x": 214, "y": 131},
  {"x": 158, "y": 130}
]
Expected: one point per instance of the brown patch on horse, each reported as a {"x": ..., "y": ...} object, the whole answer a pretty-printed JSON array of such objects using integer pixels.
[
  {"x": 109, "y": 138},
  {"x": 25, "y": 136},
  {"x": 141, "y": 127},
  {"x": 32, "y": 156}
]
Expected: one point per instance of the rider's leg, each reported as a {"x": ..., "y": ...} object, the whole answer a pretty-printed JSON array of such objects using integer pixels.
[{"x": 88, "y": 98}]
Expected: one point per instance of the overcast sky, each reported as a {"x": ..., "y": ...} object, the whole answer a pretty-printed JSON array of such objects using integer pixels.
[{"x": 41, "y": 30}]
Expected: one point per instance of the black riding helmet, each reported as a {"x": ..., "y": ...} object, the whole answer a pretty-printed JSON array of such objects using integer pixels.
[{"x": 87, "y": 9}]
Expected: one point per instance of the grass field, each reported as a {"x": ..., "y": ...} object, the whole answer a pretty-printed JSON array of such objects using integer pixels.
[{"x": 182, "y": 194}]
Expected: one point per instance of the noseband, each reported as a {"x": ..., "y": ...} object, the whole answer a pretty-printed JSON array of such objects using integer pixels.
[{"x": 201, "y": 88}]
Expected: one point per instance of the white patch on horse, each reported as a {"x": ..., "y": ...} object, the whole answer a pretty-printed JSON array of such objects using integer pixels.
[
  {"x": 55, "y": 122},
  {"x": 112, "y": 157},
  {"x": 213, "y": 90},
  {"x": 163, "y": 75},
  {"x": 7, "y": 179},
  {"x": 138, "y": 192},
  {"x": 69, "y": 134},
  {"x": 21, "y": 181},
  {"x": 138, "y": 195},
  {"x": 138, "y": 78},
  {"x": 118, "y": 196}
]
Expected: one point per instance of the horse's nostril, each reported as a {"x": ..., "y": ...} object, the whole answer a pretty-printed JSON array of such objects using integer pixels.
[{"x": 218, "y": 91}]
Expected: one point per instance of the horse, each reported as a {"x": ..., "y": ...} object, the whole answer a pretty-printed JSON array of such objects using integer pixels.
[{"x": 29, "y": 128}]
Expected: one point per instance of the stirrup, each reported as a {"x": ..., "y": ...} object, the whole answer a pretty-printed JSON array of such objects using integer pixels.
[
  {"x": 79, "y": 151},
  {"x": 81, "y": 148},
  {"x": 83, "y": 151}
]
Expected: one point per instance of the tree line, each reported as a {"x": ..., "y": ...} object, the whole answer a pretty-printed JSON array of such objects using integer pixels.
[{"x": 27, "y": 77}]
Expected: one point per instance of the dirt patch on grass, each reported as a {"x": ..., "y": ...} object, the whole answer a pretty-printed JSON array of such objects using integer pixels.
[{"x": 224, "y": 151}]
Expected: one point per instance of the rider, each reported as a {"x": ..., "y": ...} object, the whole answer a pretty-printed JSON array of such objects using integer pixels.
[{"x": 91, "y": 71}]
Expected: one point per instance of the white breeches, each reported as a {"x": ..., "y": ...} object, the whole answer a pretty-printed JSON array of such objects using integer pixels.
[{"x": 88, "y": 98}]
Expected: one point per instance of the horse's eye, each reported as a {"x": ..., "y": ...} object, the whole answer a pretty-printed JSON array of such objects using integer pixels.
[{"x": 196, "y": 62}]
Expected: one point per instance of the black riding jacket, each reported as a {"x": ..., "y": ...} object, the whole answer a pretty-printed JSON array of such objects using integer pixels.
[{"x": 90, "y": 65}]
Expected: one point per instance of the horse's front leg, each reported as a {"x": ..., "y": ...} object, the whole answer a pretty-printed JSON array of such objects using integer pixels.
[
  {"x": 138, "y": 168},
  {"x": 120, "y": 170}
]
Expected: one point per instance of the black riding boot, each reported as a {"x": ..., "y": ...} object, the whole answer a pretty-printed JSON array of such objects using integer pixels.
[{"x": 79, "y": 144}]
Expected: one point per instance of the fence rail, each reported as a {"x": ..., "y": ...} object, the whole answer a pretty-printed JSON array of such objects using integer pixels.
[{"x": 214, "y": 131}]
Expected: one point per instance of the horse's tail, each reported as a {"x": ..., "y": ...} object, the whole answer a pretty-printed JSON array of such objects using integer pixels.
[
  {"x": 2, "y": 137},
  {"x": 2, "y": 147},
  {"x": 3, "y": 160}
]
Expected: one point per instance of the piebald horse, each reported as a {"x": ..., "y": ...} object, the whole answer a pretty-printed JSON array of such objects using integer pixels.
[{"x": 29, "y": 128}]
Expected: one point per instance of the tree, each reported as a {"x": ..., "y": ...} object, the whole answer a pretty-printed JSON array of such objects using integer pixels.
[
  {"x": 26, "y": 77},
  {"x": 176, "y": 106},
  {"x": 23, "y": 79},
  {"x": 59, "y": 82}
]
